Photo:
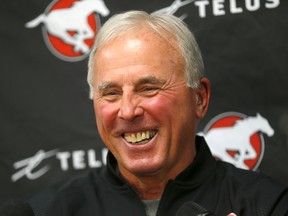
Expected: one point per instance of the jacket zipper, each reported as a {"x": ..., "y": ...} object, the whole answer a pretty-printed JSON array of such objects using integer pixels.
[{"x": 162, "y": 200}]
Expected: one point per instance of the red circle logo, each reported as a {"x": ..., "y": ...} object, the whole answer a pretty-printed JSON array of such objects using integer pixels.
[
  {"x": 70, "y": 26},
  {"x": 238, "y": 139}
]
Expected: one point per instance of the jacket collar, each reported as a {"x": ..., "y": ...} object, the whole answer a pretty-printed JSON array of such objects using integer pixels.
[{"x": 203, "y": 165}]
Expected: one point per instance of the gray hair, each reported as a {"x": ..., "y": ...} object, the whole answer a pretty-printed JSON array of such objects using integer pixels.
[{"x": 163, "y": 25}]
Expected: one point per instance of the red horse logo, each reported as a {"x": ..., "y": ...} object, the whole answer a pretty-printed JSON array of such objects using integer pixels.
[
  {"x": 70, "y": 27},
  {"x": 237, "y": 139}
]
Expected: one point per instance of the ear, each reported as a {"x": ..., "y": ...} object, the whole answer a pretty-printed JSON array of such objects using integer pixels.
[{"x": 202, "y": 97}]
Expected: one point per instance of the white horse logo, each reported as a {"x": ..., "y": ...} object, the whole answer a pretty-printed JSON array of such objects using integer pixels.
[
  {"x": 59, "y": 22},
  {"x": 237, "y": 138},
  {"x": 173, "y": 8}
]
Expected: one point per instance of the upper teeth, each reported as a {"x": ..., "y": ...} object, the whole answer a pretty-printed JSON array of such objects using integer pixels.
[{"x": 138, "y": 137}]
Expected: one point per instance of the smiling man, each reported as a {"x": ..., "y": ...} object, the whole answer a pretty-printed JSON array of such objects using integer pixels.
[
  {"x": 149, "y": 92},
  {"x": 146, "y": 114}
]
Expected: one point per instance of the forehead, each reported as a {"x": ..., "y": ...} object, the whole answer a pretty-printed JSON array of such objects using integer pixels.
[{"x": 143, "y": 52}]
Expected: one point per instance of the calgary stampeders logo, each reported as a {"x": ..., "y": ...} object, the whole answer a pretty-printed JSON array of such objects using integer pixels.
[
  {"x": 69, "y": 27},
  {"x": 238, "y": 139}
]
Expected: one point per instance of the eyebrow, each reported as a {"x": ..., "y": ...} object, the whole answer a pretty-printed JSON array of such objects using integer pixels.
[
  {"x": 150, "y": 80},
  {"x": 142, "y": 81},
  {"x": 106, "y": 85}
]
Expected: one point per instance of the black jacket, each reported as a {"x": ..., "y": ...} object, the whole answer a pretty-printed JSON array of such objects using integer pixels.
[{"x": 217, "y": 186}]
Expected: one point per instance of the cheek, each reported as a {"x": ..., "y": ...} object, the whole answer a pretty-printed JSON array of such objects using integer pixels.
[
  {"x": 105, "y": 114},
  {"x": 160, "y": 107},
  {"x": 172, "y": 107}
]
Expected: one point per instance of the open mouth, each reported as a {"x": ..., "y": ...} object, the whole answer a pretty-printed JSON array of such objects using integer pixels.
[{"x": 139, "y": 137}]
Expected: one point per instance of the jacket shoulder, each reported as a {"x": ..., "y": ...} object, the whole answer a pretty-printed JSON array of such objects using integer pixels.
[
  {"x": 74, "y": 189},
  {"x": 256, "y": 189}
]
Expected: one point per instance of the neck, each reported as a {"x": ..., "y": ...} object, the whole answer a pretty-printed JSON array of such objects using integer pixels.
[
  {"x": 148, "y": 189},
  {"x": 151, "y": 186}
]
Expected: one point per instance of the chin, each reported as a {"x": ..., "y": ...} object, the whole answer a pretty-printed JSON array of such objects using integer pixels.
[{"x": 144, "y": 167}]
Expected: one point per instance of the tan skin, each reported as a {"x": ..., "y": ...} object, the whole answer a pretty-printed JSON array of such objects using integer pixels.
[{"x": 139, "y": 85}]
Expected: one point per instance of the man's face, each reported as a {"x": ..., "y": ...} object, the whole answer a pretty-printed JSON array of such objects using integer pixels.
[{"x": 145, "y": 112}]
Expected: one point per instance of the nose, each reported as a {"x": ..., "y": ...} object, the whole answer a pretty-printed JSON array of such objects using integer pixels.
[{"x": 129, "y": 108}]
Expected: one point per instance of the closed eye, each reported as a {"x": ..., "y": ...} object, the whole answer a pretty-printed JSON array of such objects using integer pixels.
[
  {"x": 150, "y": 85},
  {"x": 109, "y": 90},
  {"x": 111, "y": 93},
  {"x": 149, "y": 90}
]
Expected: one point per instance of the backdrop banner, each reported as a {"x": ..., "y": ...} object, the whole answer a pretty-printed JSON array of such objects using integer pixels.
[{"x": 47, "y": 123}]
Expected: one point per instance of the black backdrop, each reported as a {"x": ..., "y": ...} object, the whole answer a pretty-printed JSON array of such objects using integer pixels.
[{"x": 47, "y": 126}]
